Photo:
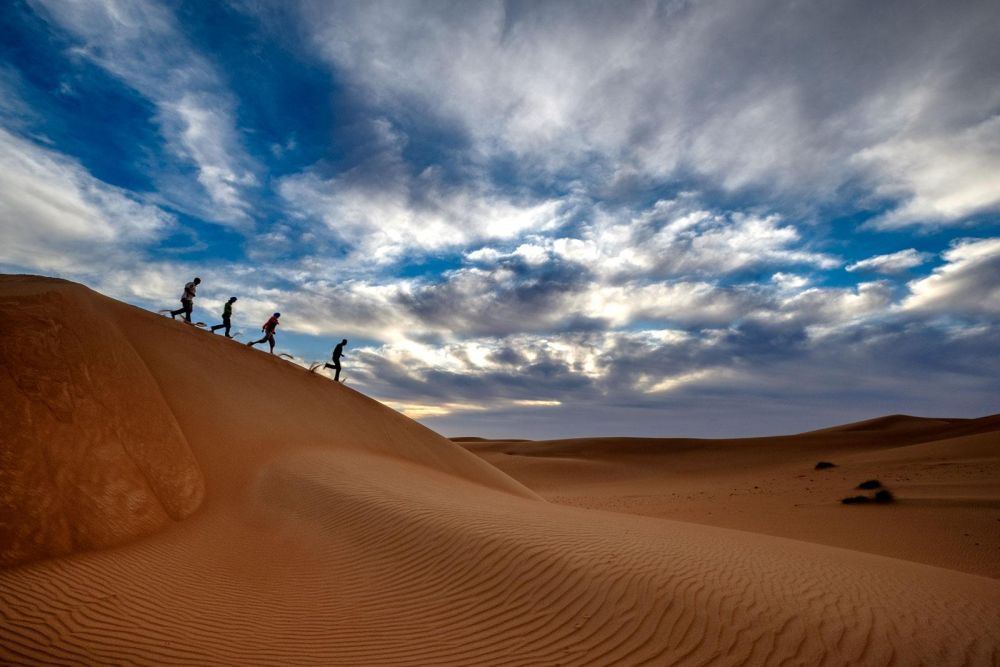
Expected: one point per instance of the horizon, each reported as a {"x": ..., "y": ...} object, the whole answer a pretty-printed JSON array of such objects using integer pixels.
[{"x": 667, "y": 219}]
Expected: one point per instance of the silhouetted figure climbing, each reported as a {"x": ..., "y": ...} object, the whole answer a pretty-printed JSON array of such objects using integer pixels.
[
  {"x": 187, "y": 301},
  {"x": 268, "y": 329},
  {"x": 227, "y": 314},
  {"x": 338, "y": 352}
]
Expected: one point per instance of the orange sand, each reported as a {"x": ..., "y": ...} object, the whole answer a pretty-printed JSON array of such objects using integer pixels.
[
  {"x": 278, "y": 518},
  {"x": 945, "y": 475}
]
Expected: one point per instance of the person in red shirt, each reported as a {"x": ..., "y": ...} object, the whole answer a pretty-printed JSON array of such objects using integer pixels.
[{"x": 268, "y": 329}]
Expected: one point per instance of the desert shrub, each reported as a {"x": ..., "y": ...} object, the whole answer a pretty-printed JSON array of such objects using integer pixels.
[
  {"x": 856, "y": 500},
  {"x": 870, "y": 484},
  {"x": 884, "y": 496},
  {"x": 823, "y": 465}
]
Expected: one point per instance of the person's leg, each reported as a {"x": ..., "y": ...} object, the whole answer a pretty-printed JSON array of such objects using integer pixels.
[
  {"x": 216, "y": 327},
  {"x": 228, "y": 323},
  {"x": 270, "y": 341},
  {"x": 175, "y": 313},
  {"x": 328, "y": 366},
  {"x": 336, "y": 376},
  {"x": 188, "y": 307}
]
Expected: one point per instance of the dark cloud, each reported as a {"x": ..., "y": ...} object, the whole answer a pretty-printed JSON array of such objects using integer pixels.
[
  {"x": 801, "y": 98},
  {"x": 754, "y": 384}
]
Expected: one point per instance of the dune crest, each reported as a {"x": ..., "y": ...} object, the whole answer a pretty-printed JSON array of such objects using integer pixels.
[{"x": 333, "y": 530}]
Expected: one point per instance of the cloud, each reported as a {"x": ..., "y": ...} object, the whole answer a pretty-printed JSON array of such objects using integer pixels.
[
  {"x": 671, "y": 238},
  {"x": 141, "y": 43},
  {"x": 824, "y": 310},
  {"x": 600, "y": 213},
  {"x": 802, "y": 99},
  {"x": 383, "y": 209},
  {"x": 58, "y": 218},
  {"x": 939, "y": 178},
  {"x": 891, "y": 264},
  {"x": 679, "y": 237},
  {"x": 968, "y": 284},
  {"x": 743, "y": 378}
]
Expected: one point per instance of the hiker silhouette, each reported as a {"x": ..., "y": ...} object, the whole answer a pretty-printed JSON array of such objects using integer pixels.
[
  {"x": 338, "y": 352},
  {"x": 187, "y": 301},
  {"x": 227, "y": 314},
  {"x": 268, "y": 329}
]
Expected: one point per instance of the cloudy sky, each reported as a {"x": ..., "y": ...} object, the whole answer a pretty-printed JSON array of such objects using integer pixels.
[{"x": 537, "y": 219}]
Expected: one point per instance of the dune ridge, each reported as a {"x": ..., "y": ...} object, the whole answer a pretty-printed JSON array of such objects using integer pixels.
[{"x": 334, "y": 530}]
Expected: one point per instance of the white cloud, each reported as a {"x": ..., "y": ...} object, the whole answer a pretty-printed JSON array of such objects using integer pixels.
[
  {"x": 824, "y": 310},
  {"x": 141, "y": 43},
  {"x": 802, "y": 98},
  {"x": 677, "y": 237},
  {"x": 892, "y": 263},
  {"x": 382, "y": 211},
  {"x": 789, "y": 282},
  {"x": 696, "y": 303},
  {"x": 939, "y": 178},
  {"x": 381, "y": 226},
  {"x": 56, "y": 217},
  {"x": 967, "y": 284}
]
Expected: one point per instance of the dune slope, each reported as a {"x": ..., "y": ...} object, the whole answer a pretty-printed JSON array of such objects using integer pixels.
[
  {"x": 333, "y": 530},
  {"x": 92, "y": 455}
]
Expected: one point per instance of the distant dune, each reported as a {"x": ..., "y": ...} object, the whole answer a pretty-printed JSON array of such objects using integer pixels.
[
  {"x": 945, "y": 474},
  {"x": 173, "y": 497}
]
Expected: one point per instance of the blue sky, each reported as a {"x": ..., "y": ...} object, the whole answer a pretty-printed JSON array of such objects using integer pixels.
[{"x": 536, "y": 219}]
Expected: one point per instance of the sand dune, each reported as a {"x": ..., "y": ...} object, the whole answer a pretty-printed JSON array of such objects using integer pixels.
[
  {"x": 319, "y": 527},
  {"x": 945, "y": 474}
]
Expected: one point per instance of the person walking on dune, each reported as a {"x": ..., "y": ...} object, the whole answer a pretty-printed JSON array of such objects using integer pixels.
[
  {"x": 187, "y": 301},
  {"x": 338, "y": 352},
  {"x": 268, "y": 329},
  {"x": 227, "y": 314}
]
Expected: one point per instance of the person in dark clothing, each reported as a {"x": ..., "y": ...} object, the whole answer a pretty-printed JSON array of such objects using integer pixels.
[
  {"x": 187, "y": 301},
  {"x": 268, "y": 329},
  {"x": 227, "y": 314},
  {"x": 338, "y": 352}
]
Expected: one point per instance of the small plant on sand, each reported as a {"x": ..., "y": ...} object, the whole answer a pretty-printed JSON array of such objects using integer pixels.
[
  {"x": 884, "y": 496},
  {"x": 870, "y": 484},
  {"x": 823, "y": 465}
]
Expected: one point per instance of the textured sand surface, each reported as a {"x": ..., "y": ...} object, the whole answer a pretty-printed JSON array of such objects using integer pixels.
[
  {"x": 945, "y": 475},
  {"x": 332, "y": 530}
]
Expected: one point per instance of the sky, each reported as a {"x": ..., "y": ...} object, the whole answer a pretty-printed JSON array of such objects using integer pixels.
[{"x": 536, "y": 219}]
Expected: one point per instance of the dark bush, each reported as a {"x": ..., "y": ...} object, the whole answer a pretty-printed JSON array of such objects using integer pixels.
[
  {"x": 823, "y": 465},
  {"x": 856, "y": 500},
  {"x": 870, "y": 484},
  {"x": 884, "y": 496}
]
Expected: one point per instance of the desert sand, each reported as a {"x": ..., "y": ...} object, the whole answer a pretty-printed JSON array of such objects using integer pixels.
[
  {"x": 173, "y": 497},
  {"x": 944, "y": 473}
]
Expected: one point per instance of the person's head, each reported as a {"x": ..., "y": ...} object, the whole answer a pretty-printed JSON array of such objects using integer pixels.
[
  {"x": 232, "y": 299},
  {"x": 197, "y": 281},
  {"x": 344, "y": 342},
  {"x": 277, "y": 315}
]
